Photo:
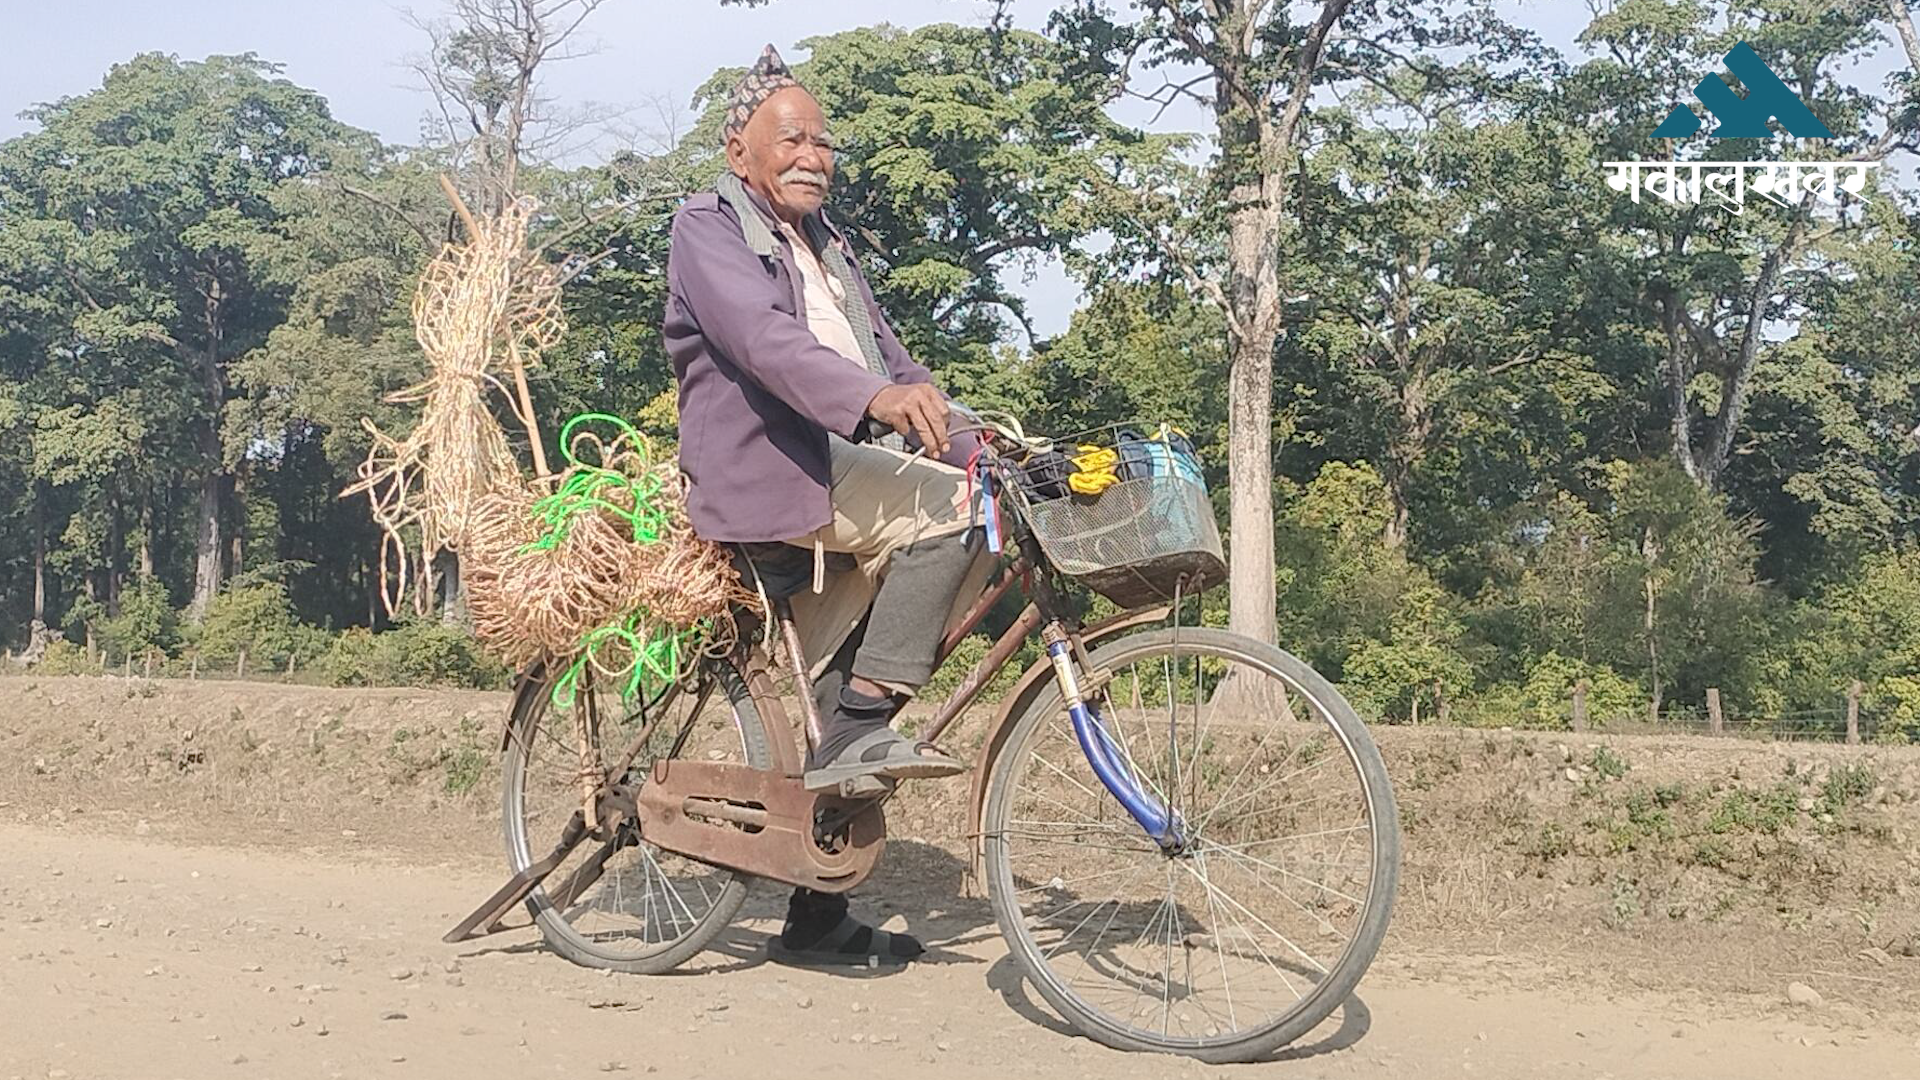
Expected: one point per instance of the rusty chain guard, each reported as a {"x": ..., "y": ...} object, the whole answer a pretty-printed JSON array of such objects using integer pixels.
[{"x": 759, "y": 822}]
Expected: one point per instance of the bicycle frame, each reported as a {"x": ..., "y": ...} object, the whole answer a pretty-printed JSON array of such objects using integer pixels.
[
  {"x": 606, "y": 798},
  {"x": 1043, "y": 614}
]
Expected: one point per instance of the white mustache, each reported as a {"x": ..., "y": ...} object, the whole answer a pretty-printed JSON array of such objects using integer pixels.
[{"x": 794, "y": 174}]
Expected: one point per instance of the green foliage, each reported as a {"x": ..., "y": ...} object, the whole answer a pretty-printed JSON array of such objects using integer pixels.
[
  {"x": 1607, "y": 763},
  {"x": 1847, "y": 784},
  {"x": 1546, "y": 698},
  {"x": 1745, "y": 810},
  {"x": 66, "y": 658},
  {"x": 414, "y": 654},
  {"x": 146, "y": 621},
  {"x": 1552, "y": 842},
  {"x": 258, "y": 619},
  {"x": 1898, "y": 703}
]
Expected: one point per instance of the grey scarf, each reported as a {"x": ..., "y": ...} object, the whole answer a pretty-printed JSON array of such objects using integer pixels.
[{"x": 760, "y": 238}]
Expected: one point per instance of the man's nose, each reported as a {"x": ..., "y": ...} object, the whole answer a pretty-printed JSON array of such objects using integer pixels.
[{"x": 815, "y": 157}]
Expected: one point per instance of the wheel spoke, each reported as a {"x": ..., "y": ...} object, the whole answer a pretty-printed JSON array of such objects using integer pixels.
[
  {"x": 642, "y": 905},
  {"x": 1268, "y": 777}
]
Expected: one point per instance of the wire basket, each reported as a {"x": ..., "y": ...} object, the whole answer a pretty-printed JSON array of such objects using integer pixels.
[{"x": 1136, "y": 542}]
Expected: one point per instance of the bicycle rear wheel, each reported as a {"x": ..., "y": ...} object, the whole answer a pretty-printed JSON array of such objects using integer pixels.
[
  {"x": 648, "y": 910},
  {"x": 1257, "y": 926}
]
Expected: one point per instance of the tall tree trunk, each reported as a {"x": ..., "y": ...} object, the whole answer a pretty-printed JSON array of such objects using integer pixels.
[
  {"x": 1252, "y": 597},
  {"x": 116, "y": 549},
  {"x": 215, "y": 485},
  {"x": 1737, "y": 383},
  {"x": 1256, "y": 130},
  {"x": 370, "y": 585},
  {"x": 1650, "y": 552},
  {"x": 1256, "y": 145},
  {"x": 39, "y": 557},
  {"x": 1253, "y": 299},
  {"x": 1406, "y": 450},
  {"x": 145, "y": 564},
  {"x": 93, "y": 594},
  {"x": 236, "y": 555},
  {"x": 209, "y": 547},
  {"x": 1679, "y": 371},
  {"x": 453, "y": 592}
]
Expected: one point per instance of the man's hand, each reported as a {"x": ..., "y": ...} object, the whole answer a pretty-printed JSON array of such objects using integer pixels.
[{"x": 916, "y": 408}]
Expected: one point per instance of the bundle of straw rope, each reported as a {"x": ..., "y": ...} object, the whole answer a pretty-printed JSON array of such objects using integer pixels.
[
  {"x": 481, "y": 308},
  {"x": 595, "y": 571},
  {"x": 605, "y": 570}
]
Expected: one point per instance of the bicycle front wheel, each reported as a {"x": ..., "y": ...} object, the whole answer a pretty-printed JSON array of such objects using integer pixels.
[{"x": 1258, "y": 924}]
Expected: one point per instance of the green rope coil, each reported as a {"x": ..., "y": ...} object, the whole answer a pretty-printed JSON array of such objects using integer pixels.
[
  {"x": 654, "y": 655},
  {"x": 654, "y": 659},
  {"x": 587, "y": 486}
]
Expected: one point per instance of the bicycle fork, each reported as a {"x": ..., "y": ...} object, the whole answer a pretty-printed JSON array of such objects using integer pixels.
[{"x": 1109, "y": 759}]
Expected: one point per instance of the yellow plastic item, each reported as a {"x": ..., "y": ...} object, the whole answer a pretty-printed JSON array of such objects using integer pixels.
[{"x": 1094, "y": 470}]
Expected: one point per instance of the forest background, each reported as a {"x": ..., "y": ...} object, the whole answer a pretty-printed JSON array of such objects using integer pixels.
[{"x": 1503, "y": 431}]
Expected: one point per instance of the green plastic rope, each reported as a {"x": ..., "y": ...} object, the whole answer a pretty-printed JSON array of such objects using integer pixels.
[
  {"x": 655, "y": 654},
  {"x": 584, "y": 489}
]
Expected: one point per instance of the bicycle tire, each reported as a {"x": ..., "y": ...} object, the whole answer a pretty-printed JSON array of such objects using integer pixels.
[
  {"x": 1330, "y": 993},
  {"x": 532, "y": 704}
]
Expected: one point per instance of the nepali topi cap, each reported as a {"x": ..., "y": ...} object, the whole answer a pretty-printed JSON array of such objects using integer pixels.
[{"x": 767, "y": 77}]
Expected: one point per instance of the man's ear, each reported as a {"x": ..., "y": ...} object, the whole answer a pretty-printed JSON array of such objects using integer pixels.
[{"x": 737, "y": 155}]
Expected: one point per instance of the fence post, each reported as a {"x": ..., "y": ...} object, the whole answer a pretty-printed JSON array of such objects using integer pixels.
[
  {"x": 193, "y": 666},
  {"x": 149, "y": 663},
  {"x": 1580, "y": 705},
  {"x": 289, "y": 664},
  {"x": 241, "y": 671},
  {"x": 1716, "y": 720},
  {"x": 1853, "y": 713}
]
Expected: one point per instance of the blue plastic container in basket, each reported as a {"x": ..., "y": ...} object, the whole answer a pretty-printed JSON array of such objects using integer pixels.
[{"x": 1143, "y": 539}]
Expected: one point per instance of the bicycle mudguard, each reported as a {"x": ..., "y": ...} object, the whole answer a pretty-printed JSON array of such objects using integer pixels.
[{"x": 1032, "y": 683}]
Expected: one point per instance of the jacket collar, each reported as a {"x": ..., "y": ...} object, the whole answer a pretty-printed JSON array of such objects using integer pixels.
[{"x": 772, "y": 221}]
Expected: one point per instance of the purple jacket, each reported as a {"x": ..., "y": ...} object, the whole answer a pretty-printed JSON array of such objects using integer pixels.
[{"x": 758, "y": 392}]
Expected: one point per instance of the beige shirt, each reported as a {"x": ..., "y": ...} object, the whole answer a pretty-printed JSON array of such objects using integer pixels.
[{"x": 822, "y": 292}]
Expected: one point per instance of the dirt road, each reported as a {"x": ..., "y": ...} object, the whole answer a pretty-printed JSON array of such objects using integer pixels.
[{"x": 127, "y": 957}]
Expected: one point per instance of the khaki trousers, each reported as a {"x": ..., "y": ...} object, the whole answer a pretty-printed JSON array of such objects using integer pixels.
[{"x": 883, "y": 500}]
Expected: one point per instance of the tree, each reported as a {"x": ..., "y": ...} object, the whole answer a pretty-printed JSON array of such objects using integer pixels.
[
  {"x": 1262, "y": 68},
  {"x": 483, "y": 69},
  {"x": 358, "y": 237},
  {"x": 1432, "y": 218},
  {"x": 170, "y": 259},
  {"x": 1718, "y": 284}
]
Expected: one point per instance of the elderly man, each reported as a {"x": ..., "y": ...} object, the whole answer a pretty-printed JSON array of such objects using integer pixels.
[{"x": 798, "y": 409}]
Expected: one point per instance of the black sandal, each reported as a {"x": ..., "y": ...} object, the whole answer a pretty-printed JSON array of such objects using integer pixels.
[{"x": 848, "y": 943}]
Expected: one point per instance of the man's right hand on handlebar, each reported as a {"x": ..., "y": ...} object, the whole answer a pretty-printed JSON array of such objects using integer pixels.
[{"x": 917, "y": 408}]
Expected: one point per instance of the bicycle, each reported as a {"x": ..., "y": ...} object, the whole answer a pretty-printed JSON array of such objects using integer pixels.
[{"x": 1188, "y": 838}]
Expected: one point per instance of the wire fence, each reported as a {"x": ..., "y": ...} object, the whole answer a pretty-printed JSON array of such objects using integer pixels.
[
  {"x": 1829, "y": 725},
  {"x": 1842, "y": 722}
]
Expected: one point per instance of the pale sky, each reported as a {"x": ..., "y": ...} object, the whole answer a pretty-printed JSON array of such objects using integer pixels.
[{"x": 354, "y": 53}]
